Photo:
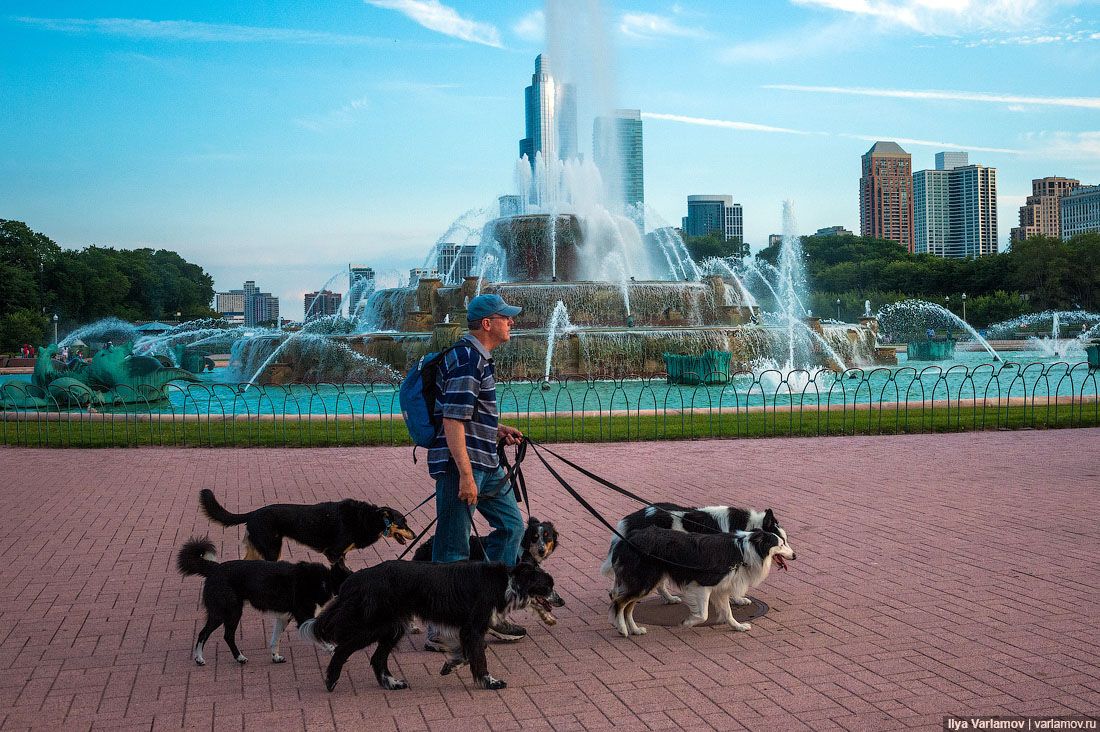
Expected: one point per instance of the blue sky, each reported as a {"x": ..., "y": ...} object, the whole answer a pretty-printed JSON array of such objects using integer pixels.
[{"x": 279, "y": 141}]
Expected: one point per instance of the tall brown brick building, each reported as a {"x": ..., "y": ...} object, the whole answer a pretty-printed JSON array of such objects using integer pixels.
[
  {"x": 886, "y": 194},
  {"x": 1041, "y": 213}
]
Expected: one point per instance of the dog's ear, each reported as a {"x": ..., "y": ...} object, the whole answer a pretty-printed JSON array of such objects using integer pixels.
[
  {"x": 532, "y": 522},
  {"x": 769, "y": 522}
]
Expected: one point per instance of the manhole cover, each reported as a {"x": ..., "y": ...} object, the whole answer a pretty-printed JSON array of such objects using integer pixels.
[{"x": 654, "y": 612}]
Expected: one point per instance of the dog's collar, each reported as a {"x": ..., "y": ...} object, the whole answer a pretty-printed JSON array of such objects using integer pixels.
[{"x": 387, "y": 527}]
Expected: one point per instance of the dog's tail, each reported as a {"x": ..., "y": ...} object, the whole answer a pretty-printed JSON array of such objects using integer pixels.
[
  {"x": 607, "y": 569},
  {"x": 196, "y": 557},
  {"x": 216, "y": 513}
]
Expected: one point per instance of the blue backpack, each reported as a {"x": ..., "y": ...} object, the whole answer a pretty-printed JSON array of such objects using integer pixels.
[{"x": 418, "y": 395}]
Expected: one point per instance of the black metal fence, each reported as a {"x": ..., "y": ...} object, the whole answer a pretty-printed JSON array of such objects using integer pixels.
[{"x": 767, "y": 403}]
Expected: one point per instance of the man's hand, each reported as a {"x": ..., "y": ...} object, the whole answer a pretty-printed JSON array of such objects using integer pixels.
[
  {"x": 509, "y": 435},
  {"x": 467, "y": 490}
]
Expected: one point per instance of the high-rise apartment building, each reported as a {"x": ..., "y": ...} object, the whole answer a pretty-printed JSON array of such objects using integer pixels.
[
  {"x": 709, "y": 214},
  {"x": 1041, "y": 214},
  {"x": 418, "y": 273},
  {"x": 617, "y": 152},
  {"x": 886, "y": 194},
  {"x": 259, "y": 307},
  {"x": 955, "y": 208},
  {"x": 551, "y": 116},
  {"x": 456, "y": 261},
  {"x": 1080, "y": 211},
  {"x": 360, "y": 283},
  {"x": 230, "y": 305},
  {"x": 319, "y": 304}
]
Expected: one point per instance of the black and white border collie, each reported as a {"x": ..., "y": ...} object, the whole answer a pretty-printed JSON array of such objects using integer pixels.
[
  {"x": 703, "y": 565},
  {"x": 283, "y": 589},
  {"x": 376, "y": 604},
  {"x": 706, "y": 520}
]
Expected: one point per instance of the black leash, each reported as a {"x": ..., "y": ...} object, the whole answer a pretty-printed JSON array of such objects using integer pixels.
[
  {"x": 514, "y": 471},
  {"x": 427, "y": 528},
  {"x": 588, "y": 507}
]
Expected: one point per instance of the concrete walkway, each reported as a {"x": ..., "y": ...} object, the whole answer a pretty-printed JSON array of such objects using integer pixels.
[{"x": 939, "y": 574}]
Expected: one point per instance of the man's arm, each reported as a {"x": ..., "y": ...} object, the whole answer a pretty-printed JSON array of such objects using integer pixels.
[{"x": 455, "y": 432}]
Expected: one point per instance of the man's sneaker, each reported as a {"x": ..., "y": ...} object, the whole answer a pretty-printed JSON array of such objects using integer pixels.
[{"x": 501, "y": 629}]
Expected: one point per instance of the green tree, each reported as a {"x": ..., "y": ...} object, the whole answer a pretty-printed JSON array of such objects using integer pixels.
[
  {"x": 20, "y": 327},
  {"x": 714, "y": 244}
]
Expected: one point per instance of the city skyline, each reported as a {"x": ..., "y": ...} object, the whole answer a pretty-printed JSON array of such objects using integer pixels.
[{"x": 283, "y": 142}]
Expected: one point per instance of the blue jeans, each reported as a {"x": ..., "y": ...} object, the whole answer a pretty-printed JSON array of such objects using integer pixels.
[{"x": 495, "y": 501}]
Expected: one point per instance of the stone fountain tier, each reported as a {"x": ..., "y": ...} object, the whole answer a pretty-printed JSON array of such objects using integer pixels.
[
  {"x": 608, "y": 351},
  {"x": 659, "y": 303},
  {"x": 523, "y": 239}
]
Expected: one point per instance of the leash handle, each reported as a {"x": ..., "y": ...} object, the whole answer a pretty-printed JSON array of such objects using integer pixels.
[{"x": 516, "y": 482}]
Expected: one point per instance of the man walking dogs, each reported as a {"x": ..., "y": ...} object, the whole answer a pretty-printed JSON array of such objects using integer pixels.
[{"x": 463, "y": 457}]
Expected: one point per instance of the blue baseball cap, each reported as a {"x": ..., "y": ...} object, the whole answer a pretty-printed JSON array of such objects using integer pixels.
[{"x": 484, "y": 306}]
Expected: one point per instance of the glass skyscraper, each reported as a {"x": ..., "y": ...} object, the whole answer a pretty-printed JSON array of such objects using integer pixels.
[
  {"x": 617, "y": 152},
  {"x": 551, "y": 116}
]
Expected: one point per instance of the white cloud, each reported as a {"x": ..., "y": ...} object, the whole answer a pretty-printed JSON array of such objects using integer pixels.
[
  {"x": 531, "y": 27},
  {"x": 435, "y": 16},
  {"x": 753, "y": 127},
  {"x": 928, "y": 143},
  {"x": 1036, "y": 40},
  {"x": 1075, "y": 146},
  {"x": 334, "y": 119},
  {"x": 186, "y": 30},
  {"x": 653, "y": 27},
  {"x": 935, "y": 94},
  {"x": 945, "y": 17},
  {"x": 728, "y": 124}
]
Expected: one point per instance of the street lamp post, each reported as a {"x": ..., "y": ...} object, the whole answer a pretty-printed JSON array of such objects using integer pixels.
[
  {"x": 55, "y": 327},
  {"x": 964, "y": 306},
  {"x": 838, "y": 310}
]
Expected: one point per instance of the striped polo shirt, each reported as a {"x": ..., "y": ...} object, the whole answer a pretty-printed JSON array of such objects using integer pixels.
[{"x": 465, "y": 379}]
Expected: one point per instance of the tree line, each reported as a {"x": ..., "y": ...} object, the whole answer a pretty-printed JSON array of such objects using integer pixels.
[
  {"x": 1038, "y": 274},
  {"x": 39, "y": 279}
]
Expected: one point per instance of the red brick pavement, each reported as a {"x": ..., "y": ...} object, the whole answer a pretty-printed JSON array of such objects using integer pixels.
[{"x": 936, "y": 574}]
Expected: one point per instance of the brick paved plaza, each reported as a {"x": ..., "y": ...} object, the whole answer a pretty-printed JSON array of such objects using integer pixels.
[{"x": 945, "y": 574}]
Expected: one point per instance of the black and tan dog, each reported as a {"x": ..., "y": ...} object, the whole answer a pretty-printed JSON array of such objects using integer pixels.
[
  {"x": 376, "y": 604},
  {"x": 283, "y": 589},
  {"x": 333, "y": 528}
]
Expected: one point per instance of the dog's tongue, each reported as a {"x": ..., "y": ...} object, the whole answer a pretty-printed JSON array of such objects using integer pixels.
[{"x": 779, "y": 562}]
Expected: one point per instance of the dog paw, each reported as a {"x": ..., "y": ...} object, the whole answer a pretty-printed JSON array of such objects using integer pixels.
[
  {"x": 640, "y": 630},
  {"x": 328, "y": 648},
  {"x": 241, "y": 658},
  {"x": 624, "y": 632},
  {"x": 330, "y": 684},
  {"x": 740, "y": 627},
  {"x": 200, "y": 661},
  {"x": 672, "y": 600},
  {"x": 488, "y": 682},
  {"x": 740, "y": 601},
  {"x": 277, "y": 658},
  {"x": 691, "y": 621},
  {"x": 392, "y": 684}
]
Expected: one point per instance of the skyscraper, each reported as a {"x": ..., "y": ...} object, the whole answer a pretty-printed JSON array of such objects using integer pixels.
[
  {"x": 259, "y": 307},
  {"x": 456, "y": 261},
  {"x": 320, "y": 304},
  {"x": 886, "y": 194},
  {"x": 617, "y": 152},
  {"x": 955, "y": 208},
  {"x": 709, "y": 214},
  {"x": 950, "y": 159},
  {"x": 1041, "y": 214},
  {"x": 360, "y": 282},
  {"x": 1080, "y": 211},
  {"x": 551, "y": 116}
]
